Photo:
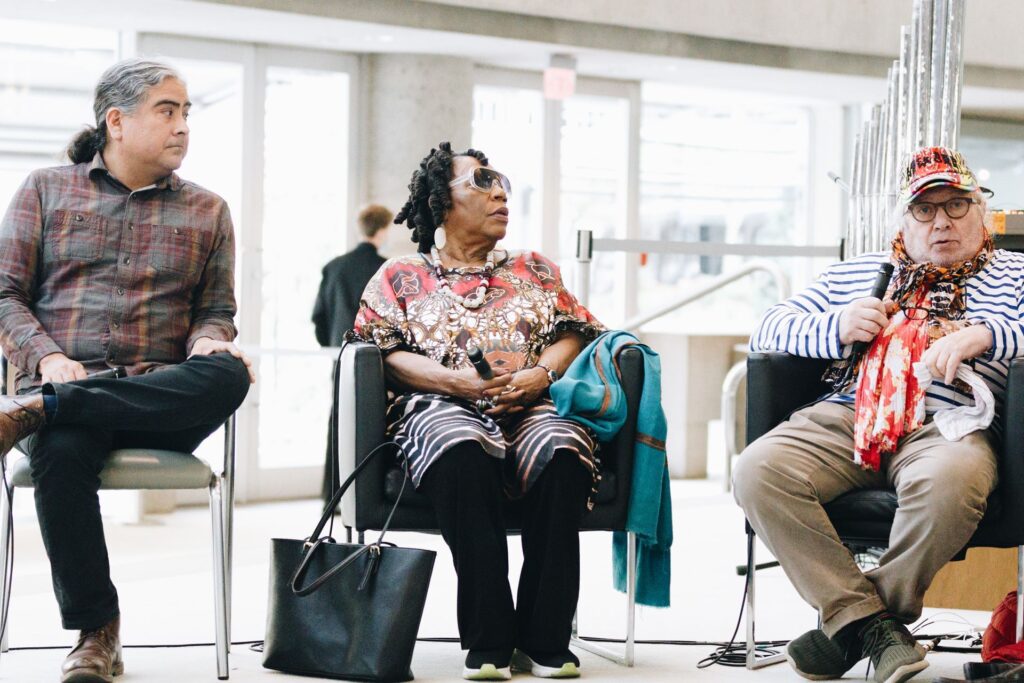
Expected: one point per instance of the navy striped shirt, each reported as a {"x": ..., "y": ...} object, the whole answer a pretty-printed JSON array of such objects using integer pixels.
[{"x": 807, "y": 324}]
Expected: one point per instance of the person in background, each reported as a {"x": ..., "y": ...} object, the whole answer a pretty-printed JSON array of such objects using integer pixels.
[
  {"x": 345, "y": 277},
  {"x": 341, "y": 286}
]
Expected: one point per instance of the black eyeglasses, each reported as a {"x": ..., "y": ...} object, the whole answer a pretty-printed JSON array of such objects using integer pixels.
[
  {"x": 921, "y": 313},
  {"x": 957, "y": 207}
]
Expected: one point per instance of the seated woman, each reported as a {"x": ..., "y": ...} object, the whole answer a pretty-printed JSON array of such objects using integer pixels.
[{"x": 472, "y": 442}]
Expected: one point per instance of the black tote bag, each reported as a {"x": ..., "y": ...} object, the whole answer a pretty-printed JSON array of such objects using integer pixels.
[{"x": 359, "y": 617}]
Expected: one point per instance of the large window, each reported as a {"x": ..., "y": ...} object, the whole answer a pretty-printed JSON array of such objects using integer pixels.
[
  {"x": 702, "y": 169},
  {"x": 569, "y": 162},
  {"x": 594, "y": 184},
  {"x": 995, "y": 152},
  {"x": 271, "y": 132},
  {"x": 508, "y": 124},
  {"x": 46, "y": 76},
  {"x": 718, "y": 171}
]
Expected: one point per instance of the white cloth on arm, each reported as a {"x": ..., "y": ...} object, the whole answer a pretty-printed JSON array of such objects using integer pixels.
[{"x": 955, "y": 423}]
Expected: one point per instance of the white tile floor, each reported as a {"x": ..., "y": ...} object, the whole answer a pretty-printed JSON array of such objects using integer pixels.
[{"x": 162, "y": 570}]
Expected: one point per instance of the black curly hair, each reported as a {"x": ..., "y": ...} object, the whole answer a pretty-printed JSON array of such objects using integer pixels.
[{"x": 429, "y": 195}]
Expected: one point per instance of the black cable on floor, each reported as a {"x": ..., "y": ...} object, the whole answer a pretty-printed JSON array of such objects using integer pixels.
[
  {"x": 733, "y": 653},
  {"x": 257, "y": 645},
  {"x": 165, "y": 646}
]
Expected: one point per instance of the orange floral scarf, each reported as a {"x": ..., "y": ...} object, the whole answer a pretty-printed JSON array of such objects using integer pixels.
[{"x": 929, "y": 303}]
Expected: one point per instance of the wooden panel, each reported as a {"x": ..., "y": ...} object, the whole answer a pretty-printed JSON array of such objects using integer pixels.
[{"x": 978, "y": 582}]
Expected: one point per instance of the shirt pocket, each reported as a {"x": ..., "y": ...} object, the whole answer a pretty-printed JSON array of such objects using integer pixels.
[
  {"x": 74, "y": 236},
  {"x": 177, "y": 249}
]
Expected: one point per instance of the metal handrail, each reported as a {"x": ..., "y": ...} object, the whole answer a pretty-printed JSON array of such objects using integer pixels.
[{"x": 754, "y": 266}]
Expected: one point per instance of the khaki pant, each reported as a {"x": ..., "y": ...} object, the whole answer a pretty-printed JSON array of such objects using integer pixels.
[{"x": 783, "y": 479}]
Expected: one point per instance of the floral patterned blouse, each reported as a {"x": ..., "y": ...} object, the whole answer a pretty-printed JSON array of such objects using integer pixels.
[{"x": 525, "y": 309}]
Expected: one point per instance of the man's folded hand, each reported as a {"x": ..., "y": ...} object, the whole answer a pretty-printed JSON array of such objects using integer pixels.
[{"x": 204, "y": 346}]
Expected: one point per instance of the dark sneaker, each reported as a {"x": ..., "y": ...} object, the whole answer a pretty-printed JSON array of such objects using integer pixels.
[
  {"x": 817, "y": 657},
  {"x": 547, "y": 664},
  {"x": 893, "y": 651},
  {"x": 487, "y": 665}
]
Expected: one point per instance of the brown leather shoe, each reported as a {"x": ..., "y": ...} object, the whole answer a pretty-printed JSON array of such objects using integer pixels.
[
  {"x": 97, "y": 656},
  {"x": 19, "y": 417}
]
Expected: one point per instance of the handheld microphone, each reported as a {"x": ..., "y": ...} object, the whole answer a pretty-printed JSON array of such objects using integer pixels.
[
  {"x": 483, "y": 368},
  {"x": 112, "y": 373},
  {"x": 877, "y": 291}
]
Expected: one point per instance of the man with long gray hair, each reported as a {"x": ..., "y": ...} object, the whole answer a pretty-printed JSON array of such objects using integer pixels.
[
  {"x": 914, "y": 411},
  {"x": 111, "y": 262}
]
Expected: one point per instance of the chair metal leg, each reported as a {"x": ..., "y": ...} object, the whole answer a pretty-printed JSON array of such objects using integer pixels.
[
  {"x": 6, "y": 504},
  {"x": 752, "y": 660},
  {"x": 1020, "y": 593},
  {"x": 220, "y": 587},
  {"x": 628, "y": 658},
  {"x": 229, "y": 512}
]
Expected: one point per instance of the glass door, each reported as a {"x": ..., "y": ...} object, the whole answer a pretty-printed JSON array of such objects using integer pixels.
[{"x": 271, "y": 132}]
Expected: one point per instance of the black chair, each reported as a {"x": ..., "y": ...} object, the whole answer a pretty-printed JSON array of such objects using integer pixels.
[
  {"x": 777, "y": 383},
  {"x": 361, "y": 403}
]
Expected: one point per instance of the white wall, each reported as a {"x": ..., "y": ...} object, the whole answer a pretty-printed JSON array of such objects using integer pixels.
[{"x": 856, "y": 26}]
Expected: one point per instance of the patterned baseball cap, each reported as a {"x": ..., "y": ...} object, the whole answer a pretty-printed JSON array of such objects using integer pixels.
[{"x": 932, "y": 166}]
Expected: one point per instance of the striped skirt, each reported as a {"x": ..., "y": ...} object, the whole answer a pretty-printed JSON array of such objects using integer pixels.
[{"x": 424, "y": 426}]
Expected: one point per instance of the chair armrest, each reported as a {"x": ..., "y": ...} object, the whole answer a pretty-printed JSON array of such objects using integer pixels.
[
  {"x": 361, "y": 410},
  {"x": 777, "y": 383}
]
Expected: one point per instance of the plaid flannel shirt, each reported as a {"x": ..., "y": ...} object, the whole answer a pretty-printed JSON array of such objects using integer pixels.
[{"x": 109, "y": 276}]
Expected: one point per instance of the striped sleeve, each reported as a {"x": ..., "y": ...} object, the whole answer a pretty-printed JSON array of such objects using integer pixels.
[
  {"x": 807, "y": 324},
  {"x": 998, "y": 302},
  {"x": 802, "y": 325}
]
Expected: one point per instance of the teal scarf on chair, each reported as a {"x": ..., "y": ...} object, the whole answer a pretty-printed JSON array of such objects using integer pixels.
[{"x": 590, "y": 393}]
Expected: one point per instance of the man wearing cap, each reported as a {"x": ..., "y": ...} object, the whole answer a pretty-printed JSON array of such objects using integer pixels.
[{"x": 953, "y": 299}]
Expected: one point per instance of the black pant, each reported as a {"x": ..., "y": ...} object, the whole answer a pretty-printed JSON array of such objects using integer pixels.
[
  {"x": 172, "y": 409},
  {"x": 465, "y": 487}
]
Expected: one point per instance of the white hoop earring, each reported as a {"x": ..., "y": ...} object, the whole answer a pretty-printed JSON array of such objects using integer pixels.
[{"x": 440, "y": 237}]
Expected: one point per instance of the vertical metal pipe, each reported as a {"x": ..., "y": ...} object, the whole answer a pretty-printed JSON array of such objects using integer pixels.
[
  {"x": 862, "y": 188},
  {"x": 6, "y": 554},
  {"x": 924, "y": 72},
  {"x": 883, "y": 168},
  {"x": 892, "y": 153},
  {"x": 751, "y": 568},
  {"x": 953, "y": 73},
  {"x": 913, "y": 76},
  {"x": 219, "y": 578},
  {"x": 867, "y": 203},
  {"x": 853, "y": 219},
  {"x": 903, "y": 88},
  {"x": 228, "y": 503},
  {"x": 938, "y": 93},
  {"x": 875, "y": 177},
  {"x": 630, "y": 657},
  {"x": 584, "y": 253}
]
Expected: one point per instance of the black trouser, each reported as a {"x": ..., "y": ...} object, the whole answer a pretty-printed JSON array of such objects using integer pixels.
[
  {"x": 465, "y": 485},
  {"x": 171, "y": 409}
]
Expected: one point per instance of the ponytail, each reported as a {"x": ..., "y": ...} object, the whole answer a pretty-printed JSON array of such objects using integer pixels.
[{"x": 83, "y": 147}]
